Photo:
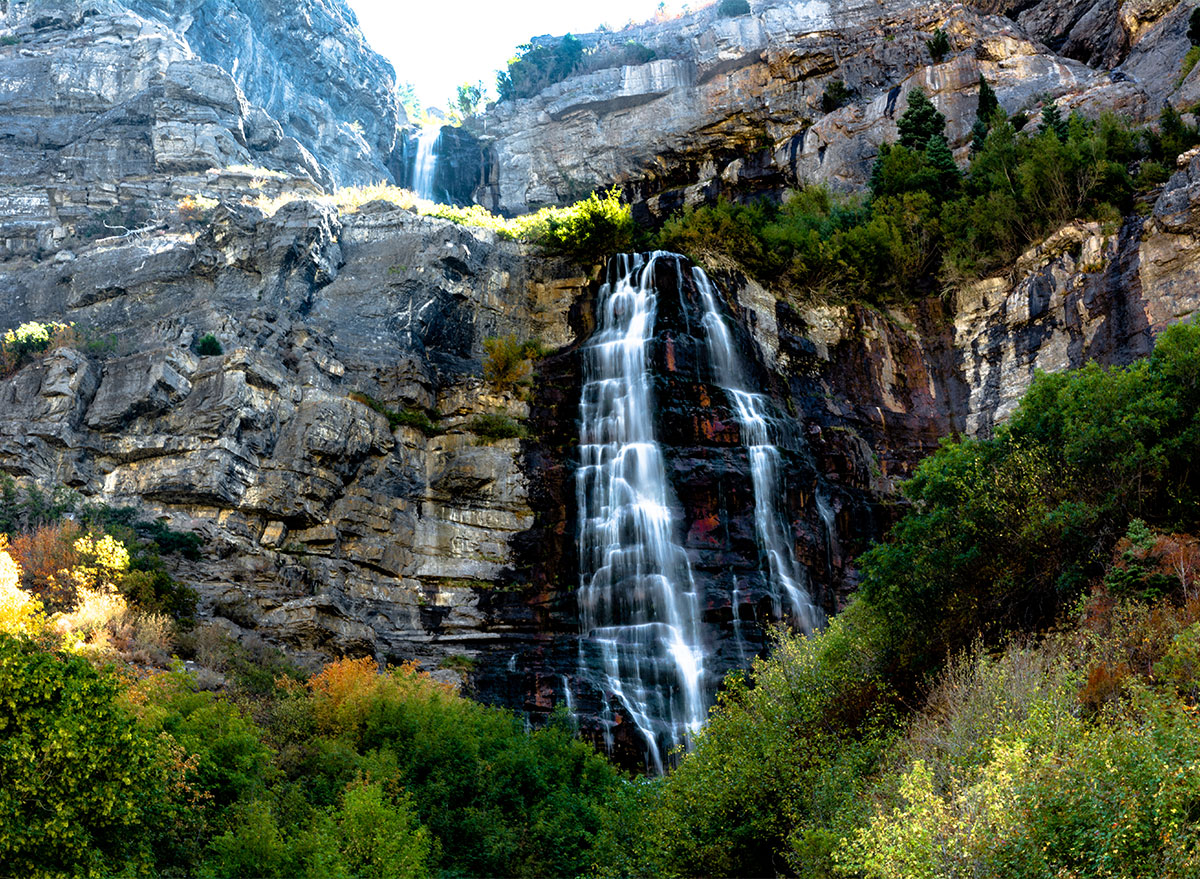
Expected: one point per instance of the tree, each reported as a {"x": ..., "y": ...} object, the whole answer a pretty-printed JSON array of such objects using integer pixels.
[
  {"x": 468, "y": 100},
  {"x": 921, "y": 121},
  {"x": 80, "y": 785},
  {"x": 1052, "y": 120},
  {"x": 834, "y": 96},
  {"x": 940, "y": 161},
  {"x": 939, "y": 46},
  {"x": 988, "y": 102}
]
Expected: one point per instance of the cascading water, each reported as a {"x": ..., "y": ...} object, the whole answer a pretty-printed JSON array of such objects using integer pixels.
[
  {"x": 639, "y": 608},
  {"x": 644, "y": 646},
  {"x": 788, "y": 580},
  {"x": 425, "y": 166}
]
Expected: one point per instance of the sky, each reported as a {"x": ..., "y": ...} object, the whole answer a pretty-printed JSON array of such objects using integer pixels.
[{"x": 439, "y": 44}]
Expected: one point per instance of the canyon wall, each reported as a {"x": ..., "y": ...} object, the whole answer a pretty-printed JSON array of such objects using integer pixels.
[{"x": 331, "y": 529}]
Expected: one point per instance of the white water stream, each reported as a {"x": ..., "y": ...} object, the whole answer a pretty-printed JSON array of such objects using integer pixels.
[
  {"x": 425, "y": 166},
  {"x": 639, "y": 608}
]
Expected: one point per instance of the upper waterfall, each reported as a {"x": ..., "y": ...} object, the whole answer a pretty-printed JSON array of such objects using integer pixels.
[{"x": 425, "y": 166}]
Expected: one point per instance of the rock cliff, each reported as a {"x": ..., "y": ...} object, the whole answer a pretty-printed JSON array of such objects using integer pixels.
[
  {"x": 331, "y": 528},
  {"x": 738, "y": 106}
]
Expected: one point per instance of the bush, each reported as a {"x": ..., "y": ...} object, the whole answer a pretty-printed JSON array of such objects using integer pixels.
[
  {"x": 733, "y": 8},
  {"x": 420, "y": 419},
  {"x": 208, "y": 346},
  {"x": 939, "y": 46},
  {"x": 18, "y": 346},
  {"x": 81, "y": 787},
  {"x": 587, "y": 232},
  {"x": 534, "y": 68},
  {"x": 834, "y": 96},
  {"x": 496, "y": 426}
]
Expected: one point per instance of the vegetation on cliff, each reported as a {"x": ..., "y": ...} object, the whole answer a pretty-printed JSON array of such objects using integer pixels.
[{"x": 926, "y": 225}]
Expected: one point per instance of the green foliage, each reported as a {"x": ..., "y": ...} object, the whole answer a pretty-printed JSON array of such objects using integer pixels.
[
  {"x": 834, "y": 96},
  {"x": 537, "y": 66},
  {"x": 587, "y": 232},
  {"x": 18, "y": 346},
  {"x": 495, "y": 426},
  {"x": 10, "y": 40},
  {"x": 468, "y": 100},
  {"x": 409, "y": 416},
  {"x": 81, "y": 787},
  {"x": 208, "y": 346},
  {"x": 508, "y": 361},
  {"x": 782, "y": 761},
  {"x": 938, "y": 46},
  {"x": 1053, "y": 122},
  {"x": 733, "y": 8},
  {"x": 1005, "y": 531},
  {"x": 920, "y": 121}
]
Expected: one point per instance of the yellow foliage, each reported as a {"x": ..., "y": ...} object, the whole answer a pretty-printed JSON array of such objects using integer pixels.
[
  {"x": 344, "y": 691},
  {"x": 20, "y": 613},
  {"x": 102, "y": 560}
]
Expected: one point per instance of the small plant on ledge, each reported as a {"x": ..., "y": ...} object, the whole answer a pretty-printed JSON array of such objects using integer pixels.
[{"x": 208, "y": 346}]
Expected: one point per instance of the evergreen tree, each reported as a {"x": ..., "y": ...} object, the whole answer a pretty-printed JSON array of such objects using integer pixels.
[
  {"x": 940, "y": 161},
  {"x": 979, "y": 133},
  {"x": 939, "y": 46},
  {"x": 987, "y": 107},
  {"x": 1052, "y": 120},
  {"x": 988, "y": 102},
  {"x": 921, "y": 121}
]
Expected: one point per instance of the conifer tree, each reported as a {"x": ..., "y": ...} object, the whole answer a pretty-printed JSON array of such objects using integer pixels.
[
  {"x": 984, "y": 111},
  {"x": 921, "y": 121},
  {"x": 1052, "y": 120},
  {"x": 940, "y": 161}
]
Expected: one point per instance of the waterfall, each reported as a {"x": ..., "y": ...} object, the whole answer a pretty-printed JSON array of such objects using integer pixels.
[
  {"x": 638, "y": 603},
  {"x": 788, "y": 580},
  {"x": 425, "y": 166},
  {"x": 642, "y": 637}
]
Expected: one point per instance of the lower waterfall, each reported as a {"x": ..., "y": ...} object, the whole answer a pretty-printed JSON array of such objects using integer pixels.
[
  {"x": 642, "y": 629},
  {"x": 639, "y": 609}
]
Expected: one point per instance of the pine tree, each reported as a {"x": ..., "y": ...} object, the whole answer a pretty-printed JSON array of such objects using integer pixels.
[
  {"x": 920, "y": 122},
  {"x": 939, "y": 46},
  {"x": 988, "y": 102},
  {"x": 979, "y": 133},
  {"x": 940, "y": 161},
  {"x": 1052, "y": 120}
]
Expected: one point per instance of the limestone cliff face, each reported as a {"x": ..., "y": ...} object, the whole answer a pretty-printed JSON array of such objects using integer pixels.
[{"x": 734, "y": 105}]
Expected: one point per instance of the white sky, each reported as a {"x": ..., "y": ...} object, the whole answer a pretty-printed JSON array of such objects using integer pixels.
[{"x": 438, "y": 44}]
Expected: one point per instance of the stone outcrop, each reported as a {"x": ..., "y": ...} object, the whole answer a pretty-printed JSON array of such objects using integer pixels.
[{"x": 733, "y": 106}]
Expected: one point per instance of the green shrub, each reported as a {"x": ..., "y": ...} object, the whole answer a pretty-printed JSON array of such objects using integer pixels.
[
  {"x": 834, "y": 96},
  {"x": 10, "y": 40},
  {"x": 81, "y": 788},
  {"x": 420, "y": 419},
  {"x": 19, "y": 345},
  {"x": 733, "y": 8},
  {"x": 534, "y": 68},
  {"x": 587, "y": 232},
  {"x": 507, "y": 361},
  {"x": 938, "y": 46},
  {"x": 208, "y": 346},
  {"x": 496, "y": 426}
]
